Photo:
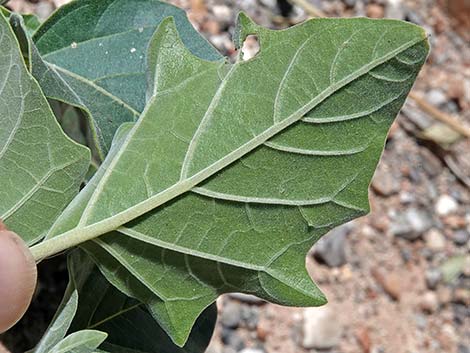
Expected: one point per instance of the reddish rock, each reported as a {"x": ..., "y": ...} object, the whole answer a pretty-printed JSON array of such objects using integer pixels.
[
  {"x": 261, "y": 333},
  {"x": 363, "y": 337},
  {"x": 429, "y": 303},
  {"x": 375, "y": 11},
  {"x": 390, "y": 282}
]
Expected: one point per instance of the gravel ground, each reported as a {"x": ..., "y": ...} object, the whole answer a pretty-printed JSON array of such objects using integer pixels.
[{"x": 397, "y": 280}]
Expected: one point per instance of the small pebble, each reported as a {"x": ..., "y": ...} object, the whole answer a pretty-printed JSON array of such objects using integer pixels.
[
  {"x": 395, "y": 9},
  {"x": 435, "y": 240},
  {"x": 375, "y": 11},
  {"x": 411, "y": 224},
  {"x": 331, "y": 249},
  {"x": 436, "y": 97},
  {"x": 222, "y": 13},
  {"x": 445, "y": 205},
  {"x": 252, "y": 350},
  {"x": 390, "y": 282},
  {"x": 231, "y": 315},
  {"x": 321, "y": 329},
  {"x": 433, "y": 277},
  {"x": 232, "y": 339},
  {"x": 386, "y": 182},
  {"x": 461, "y": 237},
  {"x": 429, "y": 302}
]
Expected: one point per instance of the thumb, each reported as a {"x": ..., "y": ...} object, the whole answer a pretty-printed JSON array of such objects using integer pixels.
[{"x": 17, "y": 278}]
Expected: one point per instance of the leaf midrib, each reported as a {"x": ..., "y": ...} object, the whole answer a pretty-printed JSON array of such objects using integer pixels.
[{"x": 258, "y": 140}]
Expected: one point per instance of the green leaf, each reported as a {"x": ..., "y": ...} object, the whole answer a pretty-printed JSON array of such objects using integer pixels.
[
  {"x": 92, "y": 54},
  {"x": 85, "y": 341},
  {"x": 60, "y": 325},
  {"x": 233, "y": 172},
  {"x": 129, "y": 325},
  {"x": 31, "y": 22},
  {"x": 40, "y": 168}
]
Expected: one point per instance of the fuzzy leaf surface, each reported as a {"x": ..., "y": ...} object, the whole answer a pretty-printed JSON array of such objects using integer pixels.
[
  {"x": 92, "y": 54},
  {"x": 40, "y": 167},
  {"x": 232, "y": 172}
]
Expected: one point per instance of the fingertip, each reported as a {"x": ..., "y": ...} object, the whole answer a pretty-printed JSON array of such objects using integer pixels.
[{"x": 18, "y": 277}]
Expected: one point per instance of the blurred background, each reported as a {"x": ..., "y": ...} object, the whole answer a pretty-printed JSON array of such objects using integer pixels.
[{"x": 397, "y": 280}]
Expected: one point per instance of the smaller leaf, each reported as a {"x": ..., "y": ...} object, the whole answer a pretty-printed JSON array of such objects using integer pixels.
[
  {"x": 85, "y": 341},
  {"x": 59, "y": 327}
]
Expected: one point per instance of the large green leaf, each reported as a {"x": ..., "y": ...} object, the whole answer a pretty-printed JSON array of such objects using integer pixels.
[
  {"x": 92, "y": 55},
  {"x": 40, "y": 168},
  {"x": 129, "y": 325},
  {"x": 237, "y": 170}
]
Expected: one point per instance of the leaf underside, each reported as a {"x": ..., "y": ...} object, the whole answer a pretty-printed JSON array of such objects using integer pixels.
[
  {"x": 40, "y": 168},
  {"x": 232, "y": 172},
  {"x": 92, "y": 54}
]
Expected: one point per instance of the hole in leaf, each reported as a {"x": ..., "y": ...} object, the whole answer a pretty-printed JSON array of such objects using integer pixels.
[{"x": 250, "y": 47}]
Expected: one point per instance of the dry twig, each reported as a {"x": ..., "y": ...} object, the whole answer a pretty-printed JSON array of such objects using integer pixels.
[
  {"x": 309, "y": 8},
  {"x": 441, "y": 116}
]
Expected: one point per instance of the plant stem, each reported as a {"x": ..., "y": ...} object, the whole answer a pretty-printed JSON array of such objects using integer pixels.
[
  {"x": 64, "y": 241},
  {"x": 80, "y": 235}
]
